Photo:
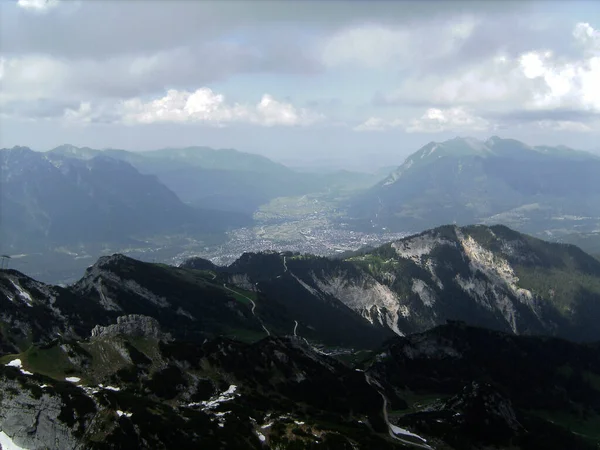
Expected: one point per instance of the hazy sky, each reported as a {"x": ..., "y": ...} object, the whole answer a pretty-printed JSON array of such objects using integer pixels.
[{"x": 298, "y": 79}]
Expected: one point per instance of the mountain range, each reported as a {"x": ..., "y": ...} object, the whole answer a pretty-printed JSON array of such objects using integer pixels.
[
  {"x": 545, "y": 190},
  {"x": 52, "y": 200},
  {"x": 290, "y": 351},
  {"x": 225, "y": 179}
]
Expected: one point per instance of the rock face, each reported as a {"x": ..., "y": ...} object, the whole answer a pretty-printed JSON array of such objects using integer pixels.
[
  {"x": 487, "y": 276},
  {"x": 35, "y": 418},
  {"x": 134, "y": 325},
  {"x": 474, "y": 389}
]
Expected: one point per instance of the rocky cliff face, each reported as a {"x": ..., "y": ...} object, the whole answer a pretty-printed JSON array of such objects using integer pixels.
[
  {"x": 488, "y": 276},
  {"x": 133, "y": 325}
]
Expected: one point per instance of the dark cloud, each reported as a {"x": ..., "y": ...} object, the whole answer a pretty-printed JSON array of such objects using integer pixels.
[
  {"x": 38, "y": 109},
  {"x": 104, "y": 28}
]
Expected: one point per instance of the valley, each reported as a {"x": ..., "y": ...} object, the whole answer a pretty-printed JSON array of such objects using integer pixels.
[{"x": 299, "y": 225}]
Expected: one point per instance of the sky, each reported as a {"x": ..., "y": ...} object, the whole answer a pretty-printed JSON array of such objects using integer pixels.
[{"x": 365, "y": 83}]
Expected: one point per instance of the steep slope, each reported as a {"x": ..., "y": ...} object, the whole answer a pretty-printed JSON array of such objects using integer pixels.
[
  {"x": 488, "y": 276},
  {"x": 139, "y": 355},
  {"x": 50, "y": 200},
  {"x": 132, "y": 386},
  {"x": 474, "y": 388},
  {"x": 277, "y": 393},
  {"x": 463, "y": 180},
  {"x": 189, "y": 304}
]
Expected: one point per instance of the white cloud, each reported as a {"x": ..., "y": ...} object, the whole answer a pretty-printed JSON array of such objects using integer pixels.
[
  {"x": 573, "y": 84},
  {"x": 452, "y": 119},
  {"x": 377, "y": 46},
  {"x": 83, "y": 114},
  {"x": 38, "y": 6},
  {"x": 537, "y": 80},
  {"x": 434, "y": 120},
  {"x": 378, "y": 124},
  {"x": 206, "y": 106},
  {"x": 31, "y": 77}
]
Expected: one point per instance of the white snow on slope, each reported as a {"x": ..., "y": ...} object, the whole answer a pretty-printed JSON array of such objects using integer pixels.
[
  {"x": 215, "y": 401},
  {"x": 398, "y": 430},
  {"x": 6, "y": 443},
  {"x": 73, "y": 379},
  {"x": 15, "y": 363},
  {"x": 23, "y": 294}
]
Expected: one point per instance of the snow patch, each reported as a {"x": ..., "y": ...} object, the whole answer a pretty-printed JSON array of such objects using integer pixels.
[
  {"x": 73, "y": 379},
  {"x": 23, "y": 294},
  {"x": 405, "y": 432},
  {"x": 6, "y": 443},
  {"x": 15, "y": 363},
  {"x": 109, "y": 388},
  {"x": 215, "y": 401},
  {"x": 122, "y": 413},
  {"x": 261, "y": 436}
]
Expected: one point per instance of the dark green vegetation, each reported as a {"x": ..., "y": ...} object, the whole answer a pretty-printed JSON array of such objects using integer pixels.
[
  {"x": 488, "y": 276},
  {"x": 474, "y": 388},
  {"x": 291, "y": 351},
  {"x": 463, "y": 181}
]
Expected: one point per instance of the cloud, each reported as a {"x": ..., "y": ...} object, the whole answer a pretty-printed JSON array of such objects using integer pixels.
[
  {"x": 200, "y": 106},
  {"x": 38, "y": 6},
  {"x": 376, "y": 46},
  {"x": 40, "y": 76},
  {"x": 566, "y": 83},
  {"x": 453, "y": 119},
  {"x": 502, "y": 86},
  {"x": 206, "y": 20},
  {"x": 434, "y": 120},
  {"x": 378, "y": 124}
]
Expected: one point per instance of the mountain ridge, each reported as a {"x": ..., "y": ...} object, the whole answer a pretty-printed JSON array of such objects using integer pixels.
[
  {"x": 289, "y": 351},
  {"x": 535, "y": 189}
]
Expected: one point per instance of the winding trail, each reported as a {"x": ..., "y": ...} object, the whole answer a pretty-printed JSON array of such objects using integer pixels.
[
  {"x": 285, "y": 269},
  {"x": 253, "y": 307},
  {"x": 391, "y": 427},
  {"x": 295, "y": 327}
]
